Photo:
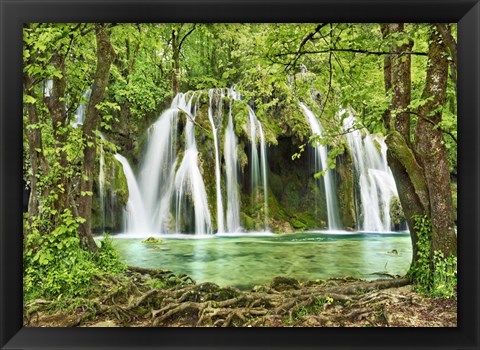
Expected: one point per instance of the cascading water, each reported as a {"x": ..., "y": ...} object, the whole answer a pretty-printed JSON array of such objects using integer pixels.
[
  {"x": 157, "y": 171},
  {"x": 220, "y": 215},
  {"x": 189, "y": 181},
  {"x": 136, "y": 220},
  {"x": 231, "y": 166},
  {"x": 113, "y": 200},
  {"x": 263, "y": 157},
  {"x": 254, "y": 166},
  {"x": 173, "y": 198},
  {"x": 258, "y": 169},
  {"x": 321, "y": 165},
  {"x": 375, "y": 180}
]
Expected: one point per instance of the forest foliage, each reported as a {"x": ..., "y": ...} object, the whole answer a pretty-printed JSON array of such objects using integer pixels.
[{"x": 329, "y": 66}]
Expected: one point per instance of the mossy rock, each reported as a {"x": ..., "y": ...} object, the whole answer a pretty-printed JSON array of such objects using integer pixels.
[
  {"x": 152, "y": 240},
  {"x": 282, "y": 283},
  {"x": 281, "y": 226},
  {"x": 119, "y": 182},
  {"x": 396, "y": 211},
  {"x": 240, "y": 117},
  {"x": 297, "y": 224},
  {"x": 345, "y": 187},
  {"x": 247, "y": 222}
]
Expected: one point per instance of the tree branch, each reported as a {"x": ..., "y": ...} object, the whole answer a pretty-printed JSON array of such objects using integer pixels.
[
  {"x": 449, "y": 40},
  {"x": 185, "y": 36},
  {"x": 437, "y": 126},
  {"x": 367, "y": 52},
  {"x": 304, "y": 41}
]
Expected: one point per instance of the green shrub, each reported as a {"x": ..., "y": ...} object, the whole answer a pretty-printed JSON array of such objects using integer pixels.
[
  {"x": 56, "y": 266},
  {"x": 432, "y": 274}
]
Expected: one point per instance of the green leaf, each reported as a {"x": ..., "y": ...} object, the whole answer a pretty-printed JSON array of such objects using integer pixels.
[{"x": 29, "y": 99}]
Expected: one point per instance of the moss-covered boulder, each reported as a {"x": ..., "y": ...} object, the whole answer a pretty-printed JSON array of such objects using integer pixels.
[
  {"x": 396, "y": 211},
  {"x": 152, "y": 241}
]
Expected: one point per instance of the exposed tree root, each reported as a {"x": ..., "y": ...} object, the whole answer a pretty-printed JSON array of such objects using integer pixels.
[{"x": 283, "y": 302}]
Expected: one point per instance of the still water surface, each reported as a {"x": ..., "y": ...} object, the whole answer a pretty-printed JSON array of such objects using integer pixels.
[{"x": 247, "y": 260}]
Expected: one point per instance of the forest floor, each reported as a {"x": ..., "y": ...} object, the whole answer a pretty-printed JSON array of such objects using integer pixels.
[{"x": 149, "y": 298}]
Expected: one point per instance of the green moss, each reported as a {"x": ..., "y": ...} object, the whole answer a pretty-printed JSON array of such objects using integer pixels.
[
  {"x": 247, "y": 222},
  {"x": 204, "y": 99},
  {"x": 152, "y": 240},
  {"x": 345, "y": 189},
  {"x": 118, "y": 184},
  {"x": 240, "y": 118},
  {"x": 396, "y": 211},
  {"x": 297, "y": 224},
  {"x": 242, "y": 156},
  {"x": 399, "y": 149}
]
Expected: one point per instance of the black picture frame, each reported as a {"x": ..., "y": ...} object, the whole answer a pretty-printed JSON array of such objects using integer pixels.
[{"x": 13, "y": 13}]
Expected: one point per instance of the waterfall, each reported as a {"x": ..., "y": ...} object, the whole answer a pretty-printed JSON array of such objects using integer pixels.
[
  {"x": 171, "y": 194},
  {"x": 375, "y": 180},
  {"x": 157, "y": 170},
  {"x": 258, "y": 167},
  {"x": 113, "y": 201},
  {"x": 189, "y": 181},
  {"x": 263, "y": 157},
  {"x": 231, "y": 166},
  {"x": 254, "y": 166},
  {"x": 321, "y": 165},
  {"x": 220, "y": 215},
  {"x": 136, "y": 220}
]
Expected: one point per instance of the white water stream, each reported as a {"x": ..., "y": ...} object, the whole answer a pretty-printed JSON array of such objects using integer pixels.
[
  {"x": 321, "y": 165},
  {"x": 375, "y": 180}
]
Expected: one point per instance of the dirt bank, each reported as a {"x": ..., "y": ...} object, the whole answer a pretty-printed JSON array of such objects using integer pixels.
[{"x": 147, "y": 298}]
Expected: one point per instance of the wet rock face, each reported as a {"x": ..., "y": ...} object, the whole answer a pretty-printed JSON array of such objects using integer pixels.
[
  {"x": 296, "y": 197},
  {"x": 115, "y": 197},
  {"x": 345, "y": 190}
]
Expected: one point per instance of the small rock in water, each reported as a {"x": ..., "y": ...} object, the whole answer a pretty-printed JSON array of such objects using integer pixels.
[
  {"x": 152, "y": 240},
  {"x": 393, "y": 251}
]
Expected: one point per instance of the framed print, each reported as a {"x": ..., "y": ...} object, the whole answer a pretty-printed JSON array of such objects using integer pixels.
[{"x": 218, "y": 174}]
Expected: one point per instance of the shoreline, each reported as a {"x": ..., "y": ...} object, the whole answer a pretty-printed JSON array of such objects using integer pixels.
[{"x": 159, "y": 298}]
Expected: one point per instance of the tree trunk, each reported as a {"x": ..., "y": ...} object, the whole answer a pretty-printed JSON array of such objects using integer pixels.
[
  {"x": 420, "y": 170},
  {"x": 58, "y": 111},
  {"x": 412, "y": 190},
  {"x": 176, "y": 63},
  {"x": 431, "y": 149},
  {"x": 105, "y": 57},
  {"x": 37, "y": 159}
]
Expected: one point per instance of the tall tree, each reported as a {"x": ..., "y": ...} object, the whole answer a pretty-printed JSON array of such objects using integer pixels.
[
  {"x": 420, "y": 166},
  {"x": 105, "y": 57}
]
